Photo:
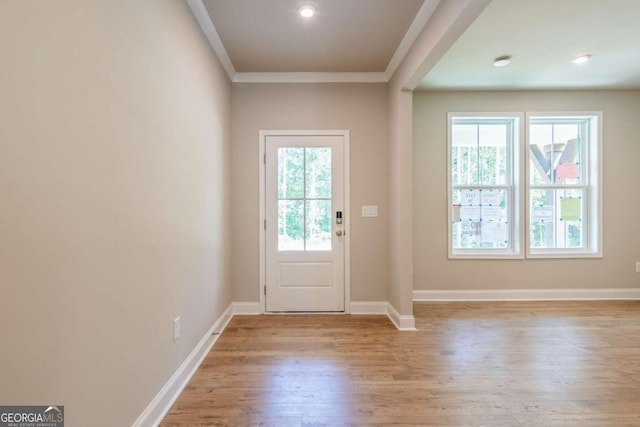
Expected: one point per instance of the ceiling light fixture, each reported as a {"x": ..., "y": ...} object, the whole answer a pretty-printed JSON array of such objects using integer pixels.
[
  {"x": 502, "y": 61},
  {"x": 581, "y": 59},
  {"x": 306, "y": 11}
]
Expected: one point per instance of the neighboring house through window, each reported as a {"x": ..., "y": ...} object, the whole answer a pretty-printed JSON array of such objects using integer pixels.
[{"x": 488, "y": 189}]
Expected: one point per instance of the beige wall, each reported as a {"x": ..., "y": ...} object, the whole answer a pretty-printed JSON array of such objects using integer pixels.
[
  {"x": 447, "y": 22},
  {"x": 400, "y": 227},
  {"x": 621, "y": 148},
  {"x": 114, "y": 153},
  {"x": 360, "y": 108}
]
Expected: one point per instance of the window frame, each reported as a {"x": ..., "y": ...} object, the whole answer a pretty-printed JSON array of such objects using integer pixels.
[
  {"x": 515, "y": 200},
  {"x": 593, "y": 184}
]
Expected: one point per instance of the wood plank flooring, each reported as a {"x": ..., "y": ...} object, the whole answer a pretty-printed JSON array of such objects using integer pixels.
[{"x": 469, "y": 364}]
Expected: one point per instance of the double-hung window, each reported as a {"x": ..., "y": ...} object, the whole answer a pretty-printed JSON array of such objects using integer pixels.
[
  {"x": 560, "y": 182},
  {"x": 564, "y": 185},
  {"x": 484, "y": 190}
]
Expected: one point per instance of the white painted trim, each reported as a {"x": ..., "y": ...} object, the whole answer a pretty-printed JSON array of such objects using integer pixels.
[
  {"x": 514, "y": 189},
  {"x": 448, "y": 22},
  {"x": 299, "y": 77},
  {"x": 369, "y": 307},
  {"x": 593, "y": 216},
  {"x": 246, "y": 308},
  {"x": 166, "y": 397},
  {"x": 402, "y": 322},
  {"x": 346, "y": 193},
  {"x": 262, "y": 147},
  {"x": 346, "y": 134},
  {"x": 417, "y": 25},
  {"x": 528, "y": 294},
  {"x": 161, "y": 403},
  {"x": 202, "y": 16},
  {"x": 206, "y": 24}
]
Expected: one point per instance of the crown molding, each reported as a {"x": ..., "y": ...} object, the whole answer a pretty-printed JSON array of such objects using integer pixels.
[
  {"x": 204, "y": 20},
  {"x": 210, "y": 32},
  {"x": 311, "y": 78},
  {"x": 417, "y": 25}
]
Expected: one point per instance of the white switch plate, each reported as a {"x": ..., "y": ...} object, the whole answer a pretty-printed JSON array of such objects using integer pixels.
[
  {"x": 637, "y": 266},
  {"x": 176, "y": 328},
  {"x": 370, "y": 211}
]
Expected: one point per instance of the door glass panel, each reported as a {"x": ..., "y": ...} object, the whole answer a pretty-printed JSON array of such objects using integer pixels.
[
  {"x": 318, "y": 221},
  {"x": 290, "y": 225},
  {"x": 304, "y": 199},
  {"x": 318, "y": 172},
  {"x": 290, "y": 172}
]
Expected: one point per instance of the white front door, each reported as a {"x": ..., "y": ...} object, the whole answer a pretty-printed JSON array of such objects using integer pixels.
[{"x": 305, "y": 223}]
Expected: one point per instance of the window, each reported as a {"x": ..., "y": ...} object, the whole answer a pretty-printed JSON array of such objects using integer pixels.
[
  {"x": 563, "y": 182},
  {"x": 487, "y": 185},
  {"x": 483, "y": 187},
  {"x": 304, "y": 198}
]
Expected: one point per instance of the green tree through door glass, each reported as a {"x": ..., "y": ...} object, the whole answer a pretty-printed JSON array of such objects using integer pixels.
[{"x": 304, "y": 199}]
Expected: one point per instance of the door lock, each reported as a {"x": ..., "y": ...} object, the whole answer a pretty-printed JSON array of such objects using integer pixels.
[{"x": 339, "y": 233}]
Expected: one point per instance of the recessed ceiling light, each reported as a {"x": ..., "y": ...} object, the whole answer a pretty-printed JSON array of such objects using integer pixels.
[
  {"x": 502, "y": 61},
  {"x": 306, "y": 11},
  {"x": 581, "y": 59}
]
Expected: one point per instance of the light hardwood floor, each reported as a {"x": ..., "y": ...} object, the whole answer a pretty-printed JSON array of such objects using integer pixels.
[{"x": 492, "y": 364}]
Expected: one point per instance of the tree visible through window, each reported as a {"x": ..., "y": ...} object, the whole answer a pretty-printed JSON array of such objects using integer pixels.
[
  {"x": 561, "y": 189},
  {"x": 563, "y": 172},
  {"x": 304, "y": 198},
  {"x": 481, "y": 185}
]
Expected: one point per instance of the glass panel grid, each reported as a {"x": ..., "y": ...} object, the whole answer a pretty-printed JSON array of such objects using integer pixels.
[
  {"x": 304, "y": 199},
  {"x": 481, "y": 177},
  {"x": 480, "y": 218},
  {"x": 557, "y": 217},
  {"x": 558, "y": 183}
]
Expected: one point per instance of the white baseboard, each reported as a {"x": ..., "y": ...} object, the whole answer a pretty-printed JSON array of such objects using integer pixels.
[
  {"x": 402, "y": 322},
  {"x": 528, "y": 294},
  {"x": 369, "y": 307},
  {"x": 248, "y": 308},
  {"x": 161, "y": 403}
]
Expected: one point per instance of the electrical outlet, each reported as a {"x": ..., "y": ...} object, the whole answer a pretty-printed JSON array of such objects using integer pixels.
[
  {"x": 176, "y": 328},
  {"x": 637, "y": 266}
]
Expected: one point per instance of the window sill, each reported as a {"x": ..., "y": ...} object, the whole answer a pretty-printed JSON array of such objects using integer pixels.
[
  {"x": 480, "y": 255},
  {"x": 564, "y": 255}
]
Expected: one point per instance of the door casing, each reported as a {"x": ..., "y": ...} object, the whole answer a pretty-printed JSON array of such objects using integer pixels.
[{"x": 263, "y": 134}]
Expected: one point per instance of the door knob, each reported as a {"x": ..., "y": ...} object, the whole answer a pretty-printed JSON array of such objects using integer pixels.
[{"x": 339, "y": 233}]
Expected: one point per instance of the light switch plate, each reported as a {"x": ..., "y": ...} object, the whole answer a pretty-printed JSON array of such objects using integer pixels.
[{"x": 370, "y": 211}]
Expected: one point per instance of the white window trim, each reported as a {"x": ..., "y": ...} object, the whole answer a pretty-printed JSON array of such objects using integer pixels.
[
  {"x": 594, "y": 195},
  {"x": 517, "y": 206}
]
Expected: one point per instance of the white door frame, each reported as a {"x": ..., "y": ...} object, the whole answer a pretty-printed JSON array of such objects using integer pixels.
[{"x": 346, "y": 214}]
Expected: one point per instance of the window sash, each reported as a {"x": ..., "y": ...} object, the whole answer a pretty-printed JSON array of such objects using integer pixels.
[
  {"x": 513, "y": 127},
  {"x": 584, "y": 230},
  {"x": 590, "y": 135}
]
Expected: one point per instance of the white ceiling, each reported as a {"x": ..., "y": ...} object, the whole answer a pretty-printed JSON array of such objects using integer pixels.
[
  {"x": 365, "y": 40},
  {"x": 543, "y": 36}
]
